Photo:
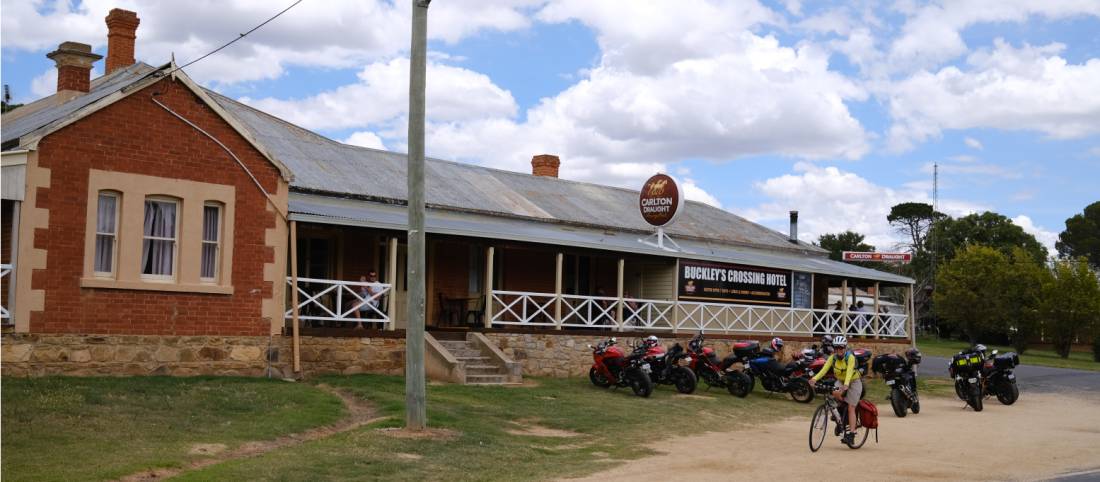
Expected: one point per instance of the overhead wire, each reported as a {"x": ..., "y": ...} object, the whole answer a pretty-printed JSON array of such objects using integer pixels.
[{"x": 240, "y": 36}]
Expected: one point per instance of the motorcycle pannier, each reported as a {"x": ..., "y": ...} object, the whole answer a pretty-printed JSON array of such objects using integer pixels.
[
  {"x": 886, "y": 363},
  {"x": 746, "y": 349},
  {"x": 863, "y": 358},
  {"x": 1006, "y": 360},
  {"x": 966, "y": 362}
]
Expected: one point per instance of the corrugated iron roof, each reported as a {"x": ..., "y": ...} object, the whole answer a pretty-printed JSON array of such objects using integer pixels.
[
  {"x": 320, "y": 164},
  {"x": 350, "y": 212},
  {"x": 17, "y": 126}
]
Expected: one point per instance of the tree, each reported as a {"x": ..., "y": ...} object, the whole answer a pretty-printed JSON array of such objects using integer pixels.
[
  {"x": 968, "y": 291},
  {"x": 846, "y": 241},
  {"x": 1082, "y": 235},
  {"x": 1020, "y": 296},
  {"x": 1071, "y": 304},
  {"x": 987, "y": 229},
  {"x": 913, "y": 220}
]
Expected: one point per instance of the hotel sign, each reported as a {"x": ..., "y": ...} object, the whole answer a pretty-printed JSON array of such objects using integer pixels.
[
  {"x": 731, "y": 283},
  {"x": 877, "y": 257},
  {"x": 661, "y": 200}
]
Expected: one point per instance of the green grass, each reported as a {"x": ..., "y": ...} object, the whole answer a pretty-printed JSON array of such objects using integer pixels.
[
  {"x": 614, "y": 426},
  {"x": 945, "y": 348},
  {"x": 102, "y": 428}
]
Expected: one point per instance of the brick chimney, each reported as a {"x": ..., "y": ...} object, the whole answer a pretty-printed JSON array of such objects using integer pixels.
[
  {"x": 545, "y": 165},
  {"x": 121, "y": 32},
  {"x": 74, "y": 67}
]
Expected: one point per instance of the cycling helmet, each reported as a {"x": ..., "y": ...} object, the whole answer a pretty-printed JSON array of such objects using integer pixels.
[
  {"x": 840, "y": 342},
  {"x": 777, "y": 344},
  {"x": 651, "y": 340},
  {"x": 913, "y": 355}
]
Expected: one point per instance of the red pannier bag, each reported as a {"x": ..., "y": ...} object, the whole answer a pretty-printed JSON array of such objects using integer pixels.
[{"x": 868, "y": 416}]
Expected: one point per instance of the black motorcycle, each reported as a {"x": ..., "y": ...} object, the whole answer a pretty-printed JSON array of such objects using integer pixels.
[
  {"x": 901, "y": 376},
  {"x": 966, "y": 369},
  {"x": 998, "y": 379},
  {"x": 773, "y": 378},
  {"x": 667, "y": 369}
]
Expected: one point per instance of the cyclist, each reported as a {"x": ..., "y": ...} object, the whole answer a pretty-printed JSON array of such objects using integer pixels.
[{"x": 843, "y": 364}]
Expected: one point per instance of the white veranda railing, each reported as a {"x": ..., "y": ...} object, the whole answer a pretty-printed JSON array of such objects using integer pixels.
[
  {"x": 5, "y": 270},
  {"x": 522, "y": 308},
  {"x": 344, "y": 301}
]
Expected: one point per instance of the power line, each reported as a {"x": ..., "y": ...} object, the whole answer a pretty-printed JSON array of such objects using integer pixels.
[{"x": 241, "y": 36}]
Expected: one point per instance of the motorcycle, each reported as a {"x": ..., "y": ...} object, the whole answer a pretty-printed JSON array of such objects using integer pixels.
[
  {"x": 998, "y": 379},
  {"x": 966, "y": 369},
  {"x": 809, "y": 361},
  {"x": 774, "y": 378},
  {"x": 706, "y": 366},
  {"x": 667, "y": 369},
  {"x": 611, "y": 368},
  {"x": 900, "y": 375}
]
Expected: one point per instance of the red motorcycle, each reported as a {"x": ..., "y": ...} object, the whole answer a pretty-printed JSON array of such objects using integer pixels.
[
  {"x": 705, "y": 364},
  {"x": 612, "y": 368},
  {"x": 666, "y": 367}
]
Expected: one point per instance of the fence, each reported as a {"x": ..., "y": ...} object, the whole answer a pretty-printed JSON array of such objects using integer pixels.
[
  {"x": 340, "y": 301},
  {"x": 530, "y": 309}
]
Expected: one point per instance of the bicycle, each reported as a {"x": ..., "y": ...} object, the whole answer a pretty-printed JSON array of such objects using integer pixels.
[{"x": 838, "y": 413}]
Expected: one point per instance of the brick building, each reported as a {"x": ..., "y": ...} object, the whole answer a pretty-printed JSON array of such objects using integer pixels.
[{"x": 153, "y": 226}]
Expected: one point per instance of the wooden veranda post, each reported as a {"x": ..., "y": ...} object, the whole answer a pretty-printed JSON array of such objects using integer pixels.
[
  {"x": 844, "y": 307},
  {"x": 391, "y": 278},
  {"x": 557, "y": 289},
  {"x": 487, "y": 322},
  {"x": 912, "y": 317},
  {"x": 619, "y": 294},
  {"x": 878, "y": 320},
  {"x": 294, "y": 295}
]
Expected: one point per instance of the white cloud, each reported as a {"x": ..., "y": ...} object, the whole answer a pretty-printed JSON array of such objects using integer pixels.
[
  {"x": 693, "y": 192},
  {"x": 973, "y": 143},
  {"x": 830, "y": 200},
  {"x": 1045, "y": 237},
  {"x": 44, "y": 84},
  {"x": 1027, "y": 88},
  {"x": 382, "y": 96},
  {"x": 970, "y": 167},
  {"x": 932, "y": 33},
  {"x": 365, "y": 139},
  {"x": 329, "y": 34}
]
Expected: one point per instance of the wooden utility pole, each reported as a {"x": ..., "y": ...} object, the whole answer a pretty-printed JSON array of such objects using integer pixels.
[{"x": 416, "y": 413}]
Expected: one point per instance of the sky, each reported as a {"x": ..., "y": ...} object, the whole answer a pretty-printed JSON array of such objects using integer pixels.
[{"x": 836, "y": 109}]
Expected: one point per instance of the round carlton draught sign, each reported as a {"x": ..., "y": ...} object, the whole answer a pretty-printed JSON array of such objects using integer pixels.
[{"x": 661, "y": 200}]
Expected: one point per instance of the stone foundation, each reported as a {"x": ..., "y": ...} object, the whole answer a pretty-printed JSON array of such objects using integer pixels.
[
  {"x": 558, "y": 354},
  {"x": 561, "y": 355},
  {"x": 92, "y": 355}
]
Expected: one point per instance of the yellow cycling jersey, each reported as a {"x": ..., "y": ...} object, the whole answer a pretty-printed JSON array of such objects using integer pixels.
[{"x": 843, "y": 369}]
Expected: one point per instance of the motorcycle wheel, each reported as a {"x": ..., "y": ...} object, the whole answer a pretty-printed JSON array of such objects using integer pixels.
[
  {"x": 801, "y": 391},
  {"x": 897, "y": 402},
  {"x": 684, "y": 379},
  {"x": 819, "y": 426},
  {"x": 597, "y": 378},
  {"x": 1008, "y": 393},
  {"x": 640, "y": 383},
  {"x": 975, "y": 399},
  {"x": 960, "y": 390},
  {"x": 739, "y": 384},
  {"x": 916, "y": 407}
]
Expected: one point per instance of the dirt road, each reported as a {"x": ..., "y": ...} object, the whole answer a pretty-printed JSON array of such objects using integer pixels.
[{"x": 1042, "y": 435}]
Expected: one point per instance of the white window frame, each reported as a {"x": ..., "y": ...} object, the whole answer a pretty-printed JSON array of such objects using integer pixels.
[
  {"x": 175, "y": 240},
  {"x": 114, "y": 235},
  {"x": 217, "y": 242}
]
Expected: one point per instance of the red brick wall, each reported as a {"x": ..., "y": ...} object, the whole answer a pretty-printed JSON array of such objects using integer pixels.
[
  {"x": 450, "y": 275},
  {"x": 528, "y": 270},
  {"x": 136, "y": 136}
]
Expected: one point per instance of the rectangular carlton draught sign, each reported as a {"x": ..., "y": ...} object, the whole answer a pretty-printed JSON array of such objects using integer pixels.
[{"x": 732, "y": 283}]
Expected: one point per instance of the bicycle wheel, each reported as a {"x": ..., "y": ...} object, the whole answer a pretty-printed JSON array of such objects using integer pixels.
[
  {"x": 861, "y": 434},
  {"x": 819, "y": 427}
]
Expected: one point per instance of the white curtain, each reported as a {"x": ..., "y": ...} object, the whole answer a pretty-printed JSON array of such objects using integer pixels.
[
  {"x": 105, "y": 234},
  {"x": 209, "y": 240},
  {"x": 160, "y": 222}
]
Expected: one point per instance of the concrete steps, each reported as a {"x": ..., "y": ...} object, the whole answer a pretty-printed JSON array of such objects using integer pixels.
[{"x": 480, "y": 369}]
